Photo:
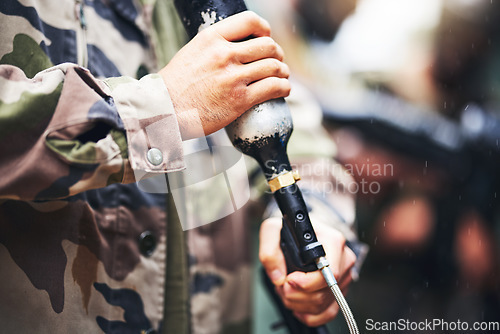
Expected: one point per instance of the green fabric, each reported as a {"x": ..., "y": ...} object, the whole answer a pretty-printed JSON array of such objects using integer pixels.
[
  {"x": 175, "y": 318},
  {"x": 169, "y": 34},
  {"x": 29, "y": 112},
  {"x": 74, "y": 150},
  {"x": 27, "y": 55},
  {"x": 121, "y": 140}
]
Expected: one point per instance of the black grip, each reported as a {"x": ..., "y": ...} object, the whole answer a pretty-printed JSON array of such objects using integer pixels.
[
  {"x": 300, "y": 232},
  {"x": 294, "y": 262},
  {"x": 292, "y": 252}
]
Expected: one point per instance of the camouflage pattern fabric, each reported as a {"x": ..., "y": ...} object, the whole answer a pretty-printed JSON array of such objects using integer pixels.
[{"x": 82, "y": 248}]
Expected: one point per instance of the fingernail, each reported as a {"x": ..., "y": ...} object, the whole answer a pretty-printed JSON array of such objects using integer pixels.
[
  {"x": 276, "y": 275},
  {"x": 294, "y": 285}
]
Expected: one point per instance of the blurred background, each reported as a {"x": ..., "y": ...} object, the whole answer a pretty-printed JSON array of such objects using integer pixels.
[{"x": 410, "y": 93}]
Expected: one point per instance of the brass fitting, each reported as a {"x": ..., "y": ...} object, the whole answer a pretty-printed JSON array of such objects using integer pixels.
[{"x": 283, "y": 180}]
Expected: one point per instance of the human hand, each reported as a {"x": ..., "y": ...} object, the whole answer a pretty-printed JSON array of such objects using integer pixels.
[
  {"x": 221, "y": 73},
  {"x": 306, "y": 294}
]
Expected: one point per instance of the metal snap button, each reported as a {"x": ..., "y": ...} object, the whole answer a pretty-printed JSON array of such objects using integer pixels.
[{"x": 155, "y": 157}]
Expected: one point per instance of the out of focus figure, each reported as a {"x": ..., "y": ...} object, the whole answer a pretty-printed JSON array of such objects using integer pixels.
[
  {"x": 409, "y": 90},
  {"x": 431, "y": 114}
]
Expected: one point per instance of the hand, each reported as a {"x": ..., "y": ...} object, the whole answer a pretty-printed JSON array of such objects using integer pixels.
[
  {"x": 306, "y": 294},
  {"x": 221, "y": 73}
]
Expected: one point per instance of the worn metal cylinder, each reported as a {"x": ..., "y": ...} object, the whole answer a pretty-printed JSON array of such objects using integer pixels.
[
  {"x": 263, "y": 131},
  {"x": 198, "y": 14}
]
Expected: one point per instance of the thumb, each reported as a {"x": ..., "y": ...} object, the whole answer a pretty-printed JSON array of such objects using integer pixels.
[{"x": 270, "y": 253}]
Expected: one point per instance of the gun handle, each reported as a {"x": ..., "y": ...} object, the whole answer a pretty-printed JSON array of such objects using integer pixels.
[
  {"x": 291, "y": 252},
  {"x": 293, "y": 262}
]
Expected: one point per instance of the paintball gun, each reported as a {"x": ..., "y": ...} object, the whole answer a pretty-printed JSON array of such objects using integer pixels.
[{"x": 262, "y": 133}]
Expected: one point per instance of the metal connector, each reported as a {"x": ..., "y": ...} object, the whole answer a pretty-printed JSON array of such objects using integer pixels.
[{"x": 283, "y": 180}]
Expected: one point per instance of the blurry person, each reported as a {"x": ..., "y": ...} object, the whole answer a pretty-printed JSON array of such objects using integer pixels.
[
  {"x": 433, "y": 116},
  {"x": 393, "y": 87}
]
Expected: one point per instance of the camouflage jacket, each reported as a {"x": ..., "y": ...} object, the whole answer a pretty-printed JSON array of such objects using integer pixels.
[{"x": 83, "y": 248}]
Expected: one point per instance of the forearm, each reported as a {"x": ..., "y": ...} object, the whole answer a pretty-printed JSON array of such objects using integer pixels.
[{"x": 64, "y": 132}]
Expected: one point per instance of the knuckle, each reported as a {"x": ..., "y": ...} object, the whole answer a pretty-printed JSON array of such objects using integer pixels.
[
  {"x": 251, "y": 15},
  {"x": 317, "y": 309},
  {"x": 223, "y": 54},
  {"x": 269, "y": 43},
  {"x": 336, "y": 272},
  {"x": 256, "y": 21},
  {"x": 281, "y": 89},
  {"x": 287, "y": 290},
  {"x": 332, "y": 312},
  {"x": 204, "y": 34},
  {"x": 265, "y": 25},
  {"x": 273, "y": 48},
  {"x": 338, "y": 237},
  {"x": 312, "y": 322},
  {"x": 219, "y": 57},
  {"x": 351, "y": 261},
  {"x": 281, "y": 86},
  {"x": 229, "y": 54},
  {"x": 319, "y": 299},
  {"x": 342, "y": 241},
  {"x": 286, "y": 70},
  {"x": 286, "y": 87},
  {"x": 265, "y": 257},
  {"x": 287, "y": 304},
  {"x": 322, "y": 318},
  {"x": 276, "y": 67}
]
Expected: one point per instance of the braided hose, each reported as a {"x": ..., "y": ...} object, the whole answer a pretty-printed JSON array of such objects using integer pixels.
[{"x": 324, "y": 266}]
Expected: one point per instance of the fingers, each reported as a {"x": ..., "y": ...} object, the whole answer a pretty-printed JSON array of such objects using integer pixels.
[
  {"x": 241, "y": 26},
  {"x": 265, "y": 68},
  {"x": 314, "y": 302},
  {"x": 313, "y": 309},
  {"x": 258, "y": 60},
  {"x": 315, "y": 320},
  {"x": 316, "y": 309},
  {"x": 308, "y": 282},
  {"x": 348, "y": 261},
  {"x": 341, "y": 262},
  {"x": 270, "y": 253},
  {"x": 307, "y": 295},
  {"x": 258, "y": 48},
  {"x": 267, "y": 89},
  {"x": 266, "y": 79}
]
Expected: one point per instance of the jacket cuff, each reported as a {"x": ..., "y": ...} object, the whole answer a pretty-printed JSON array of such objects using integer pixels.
[{"x": 153, "y": 136}]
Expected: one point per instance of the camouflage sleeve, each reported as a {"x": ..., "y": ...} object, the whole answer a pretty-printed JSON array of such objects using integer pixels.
[{"x": 64, "y": 132}]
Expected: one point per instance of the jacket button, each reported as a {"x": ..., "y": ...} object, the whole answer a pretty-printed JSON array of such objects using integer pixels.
[{"x": 147, "y": 243}]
